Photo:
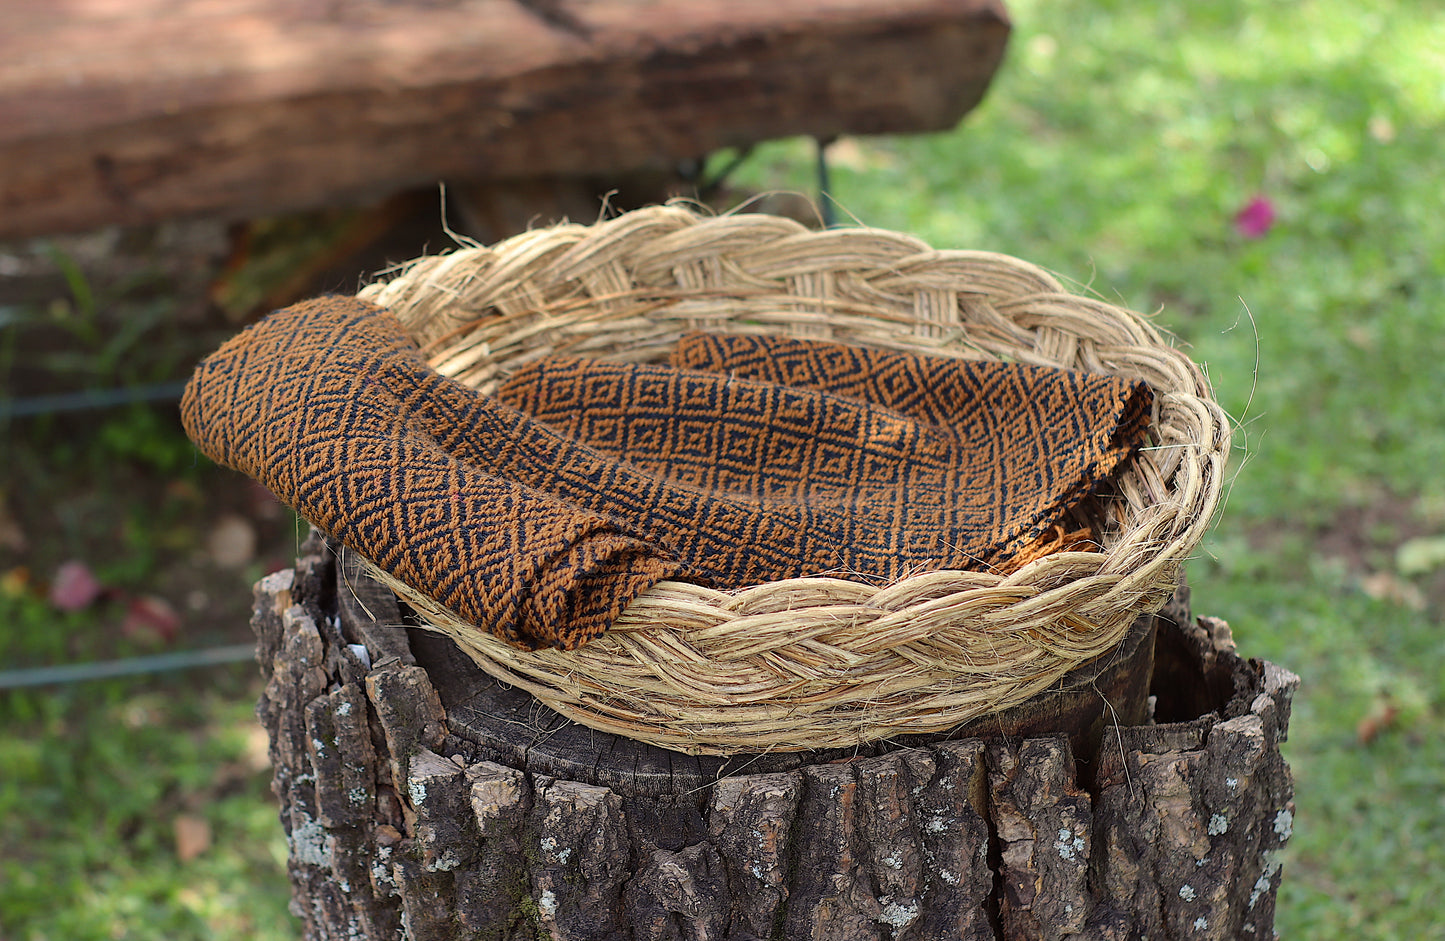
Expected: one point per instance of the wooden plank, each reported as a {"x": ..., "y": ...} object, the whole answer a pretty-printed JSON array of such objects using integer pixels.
[{"x": 129, "y": 111}]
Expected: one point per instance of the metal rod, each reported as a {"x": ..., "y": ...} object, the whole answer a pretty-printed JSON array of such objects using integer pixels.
[
  {"x": 89, "y": 399},
  {"x": 825, "y": 186},
  {"x": 130, "y": 666}
]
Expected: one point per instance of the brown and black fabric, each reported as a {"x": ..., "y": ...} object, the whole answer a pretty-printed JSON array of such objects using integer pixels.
[
  {"x": 541, "y": 513},
  {"x": 1006, "y": 417}
]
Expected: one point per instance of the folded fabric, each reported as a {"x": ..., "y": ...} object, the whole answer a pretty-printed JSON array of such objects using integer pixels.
[
  {"x": 331, "y": 406},
  {"x": 907, "y": 461},
  {"x": 540, "y": 514}
]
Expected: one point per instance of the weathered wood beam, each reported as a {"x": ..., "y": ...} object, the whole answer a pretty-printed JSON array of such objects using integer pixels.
[{"x": 130, "y": 111}]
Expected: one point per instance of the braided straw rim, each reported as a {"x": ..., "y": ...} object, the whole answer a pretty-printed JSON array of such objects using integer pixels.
[{"x": 822, "y": 662}]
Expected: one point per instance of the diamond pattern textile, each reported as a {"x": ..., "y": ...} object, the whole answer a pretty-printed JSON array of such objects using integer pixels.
[{"x": 540, "y": 513}]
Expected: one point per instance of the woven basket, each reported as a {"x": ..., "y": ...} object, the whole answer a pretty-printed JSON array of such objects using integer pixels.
[{"x": 822, "y": 662}]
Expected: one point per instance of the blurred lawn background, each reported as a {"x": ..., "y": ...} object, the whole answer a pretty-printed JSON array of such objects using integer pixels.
[{"x": 1116, "y": 148}]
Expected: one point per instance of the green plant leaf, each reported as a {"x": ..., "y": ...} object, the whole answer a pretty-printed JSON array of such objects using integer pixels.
[{"x": 1420, "y": 556}]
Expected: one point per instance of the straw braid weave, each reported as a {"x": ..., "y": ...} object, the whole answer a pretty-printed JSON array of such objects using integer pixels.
[{"x": 822, "y": 662}]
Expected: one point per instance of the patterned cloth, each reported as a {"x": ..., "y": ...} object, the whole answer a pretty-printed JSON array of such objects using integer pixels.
[{"x": 539, "y": 514}]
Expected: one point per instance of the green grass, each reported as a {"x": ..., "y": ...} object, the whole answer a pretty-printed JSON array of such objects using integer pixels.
[
  {"x": 98, "y": 779},
  {"x": 94, "y": 786},
  {"x": 101, "y": 782},
  {"x": 1115, "y": 148}
]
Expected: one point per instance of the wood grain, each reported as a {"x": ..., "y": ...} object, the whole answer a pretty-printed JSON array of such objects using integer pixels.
[{"x": 130, "y": 112}]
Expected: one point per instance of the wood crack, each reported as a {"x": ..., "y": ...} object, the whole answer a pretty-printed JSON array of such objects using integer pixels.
[{"x": 556, "y": 15}]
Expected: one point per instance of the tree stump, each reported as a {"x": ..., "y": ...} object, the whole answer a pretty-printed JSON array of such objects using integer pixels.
[{"x": 423, "y": 800}]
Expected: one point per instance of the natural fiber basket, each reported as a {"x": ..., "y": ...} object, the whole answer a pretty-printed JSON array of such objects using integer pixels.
[{"x": 822, "y": 662}]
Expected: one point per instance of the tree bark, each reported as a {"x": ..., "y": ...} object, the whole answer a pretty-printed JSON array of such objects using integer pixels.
[
  {"x": 130, "y": 113},
  {"x": 421, "y": 800}
]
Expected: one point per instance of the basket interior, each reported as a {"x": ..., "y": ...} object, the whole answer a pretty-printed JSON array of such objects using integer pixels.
[{"x": 629, "y": 288}]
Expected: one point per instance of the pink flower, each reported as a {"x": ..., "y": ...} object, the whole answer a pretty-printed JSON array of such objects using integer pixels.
[
  {"x": 74, "y": 588},
  {"x": 1255, "y": 219}
]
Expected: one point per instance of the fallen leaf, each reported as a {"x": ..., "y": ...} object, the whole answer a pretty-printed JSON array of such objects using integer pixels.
[
  {"x": 1420, "y": 556},
  {"x": 1381, "y": 719},
  {"x": 150, "y": 619},
  {"x": 74, "y": 587},
  {"x": 185, "y": 491},
  {"x": 232, "y": 542},
  {"x": 193, "y": 836},
  {"x": 1388, "y": 587},
  {"x": 262, "y": 503},
  {"x": 12, "y": 537},
  {"x": 257, "y": 752},
  {"x": 1362, "y": 336},
  {"x": 16, "y": 582}
]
